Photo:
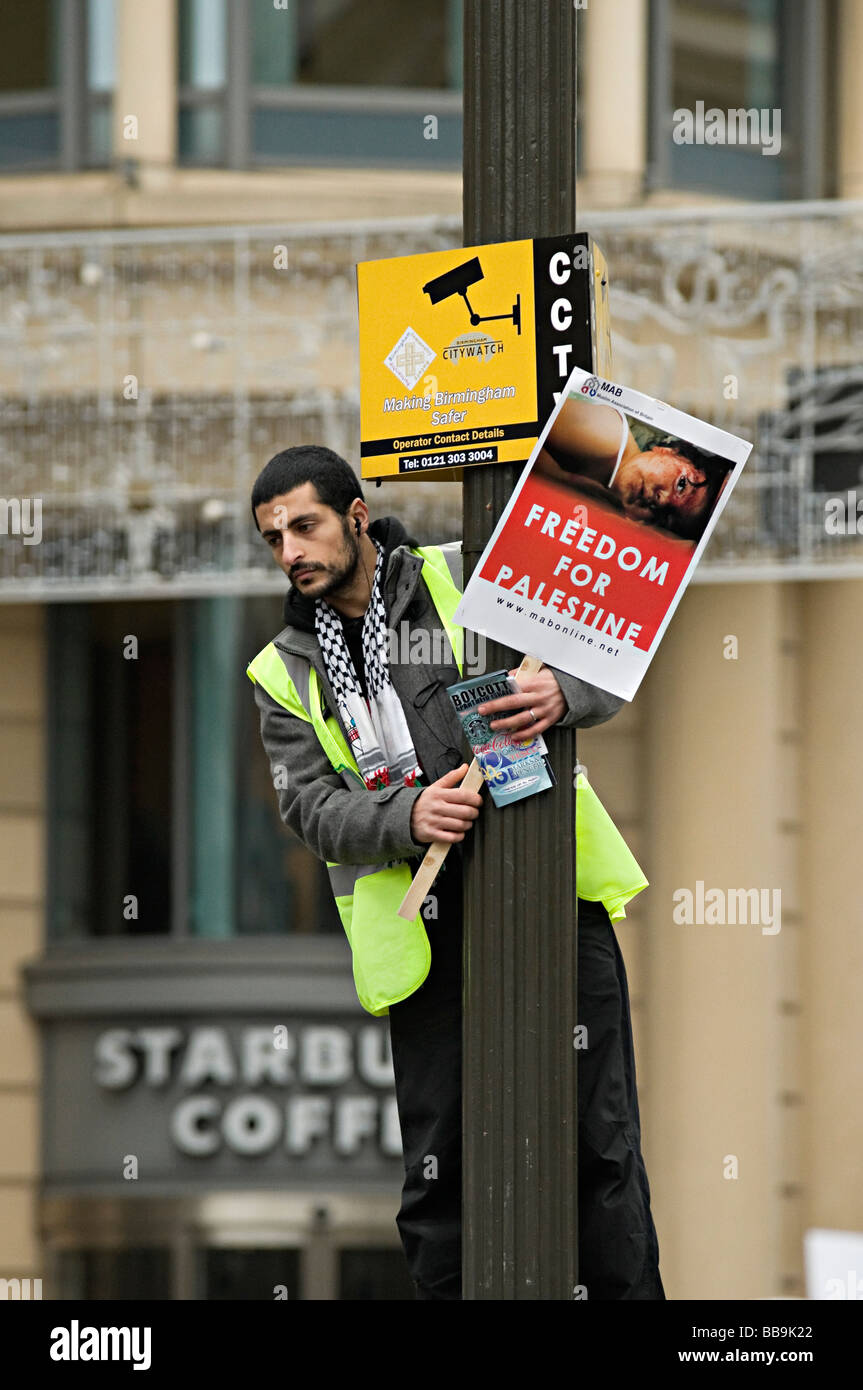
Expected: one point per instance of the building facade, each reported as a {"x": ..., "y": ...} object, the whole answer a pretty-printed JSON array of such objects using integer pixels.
[{"x": 192, "y": 1103}]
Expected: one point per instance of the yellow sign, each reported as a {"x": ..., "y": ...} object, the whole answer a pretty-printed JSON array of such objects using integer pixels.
[{"x": 460, "y": 351}]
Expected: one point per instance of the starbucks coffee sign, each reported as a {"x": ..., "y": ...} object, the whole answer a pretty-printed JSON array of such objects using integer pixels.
[{"x": 252, "y": 1091}]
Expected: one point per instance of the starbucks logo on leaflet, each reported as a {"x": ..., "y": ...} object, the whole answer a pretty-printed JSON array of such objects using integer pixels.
[
  {"x": 476, "y": 728},
  {"x": 410, "y": 358}
]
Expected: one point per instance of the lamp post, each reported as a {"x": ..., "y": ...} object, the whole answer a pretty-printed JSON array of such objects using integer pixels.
[{"x": 520, "y": 1180}]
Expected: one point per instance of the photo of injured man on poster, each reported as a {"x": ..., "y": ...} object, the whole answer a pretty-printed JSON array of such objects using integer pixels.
[{"x": 603, "y": 532}]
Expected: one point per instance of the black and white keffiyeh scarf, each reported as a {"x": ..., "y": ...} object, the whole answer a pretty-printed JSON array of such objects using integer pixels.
[{"x": 378, "y": 734}]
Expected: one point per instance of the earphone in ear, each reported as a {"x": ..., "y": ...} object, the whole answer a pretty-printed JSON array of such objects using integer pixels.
[{"x": 359, "y": 526}]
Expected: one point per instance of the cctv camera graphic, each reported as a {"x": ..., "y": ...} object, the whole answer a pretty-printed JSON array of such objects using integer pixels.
[{"x": 458, "y": 281}]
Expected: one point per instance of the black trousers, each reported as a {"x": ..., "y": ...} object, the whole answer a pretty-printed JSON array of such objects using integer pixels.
[{"x": 618, "y": 1254}]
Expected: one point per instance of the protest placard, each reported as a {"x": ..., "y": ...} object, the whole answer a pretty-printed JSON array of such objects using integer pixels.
[{"x": 603, "y": 532}]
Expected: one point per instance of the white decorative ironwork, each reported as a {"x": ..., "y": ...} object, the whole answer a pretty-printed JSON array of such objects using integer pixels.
[{"x": 146, "y": 377}]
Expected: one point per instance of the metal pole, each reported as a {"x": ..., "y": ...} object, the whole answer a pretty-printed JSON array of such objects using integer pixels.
[{"x": 520, "y": 1179}]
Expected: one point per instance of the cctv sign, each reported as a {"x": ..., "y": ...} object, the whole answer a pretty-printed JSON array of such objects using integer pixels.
[{"x": 463, "y": 353}]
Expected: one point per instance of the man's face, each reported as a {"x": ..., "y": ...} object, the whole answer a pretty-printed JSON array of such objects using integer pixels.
[
  {"x": 662, "y": 487},
  {"x": 317, "y": 549}
]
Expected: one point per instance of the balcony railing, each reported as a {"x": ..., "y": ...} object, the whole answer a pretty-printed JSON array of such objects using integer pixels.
[{"x": 147, "y": 376}]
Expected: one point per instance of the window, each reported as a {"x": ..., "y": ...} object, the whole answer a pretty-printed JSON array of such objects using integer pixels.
[
  {"x": 203, "y": 56},
  {"x": 101, "y": 43},
  {"x": 29, "y": 85},
  {"x": 725, "y": 54},
  {"x": 374, "y": 1274},
  {"x": 319, "y": 1268},
  {"x": 163, "y": 816},
  {"x": 810, "y": 451},
  {"x": 57, "y": 75},
  {"x": 338, "y": 42},
  {"x": 108, "y": 1274},
  {"x": 235, "y": 1275},
  {"x": 761, "y": 57},
  {"x": 317, "y": 81}
]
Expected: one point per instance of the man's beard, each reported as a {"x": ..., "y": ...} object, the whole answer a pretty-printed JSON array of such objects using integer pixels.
[{"x": 339, "y": 575}]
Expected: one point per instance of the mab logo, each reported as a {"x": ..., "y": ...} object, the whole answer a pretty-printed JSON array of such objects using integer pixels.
[{"x": 593, "y": 386}]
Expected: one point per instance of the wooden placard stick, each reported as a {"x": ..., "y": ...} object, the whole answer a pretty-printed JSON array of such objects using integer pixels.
[{"x": 438, "y": 851}]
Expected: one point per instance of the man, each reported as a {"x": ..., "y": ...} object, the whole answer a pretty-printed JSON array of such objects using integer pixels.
[
  {"x": 366, "y": 754},
  {"x": 673, "y": 484}
]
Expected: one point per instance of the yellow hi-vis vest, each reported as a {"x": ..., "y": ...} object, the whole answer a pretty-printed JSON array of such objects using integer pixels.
[{"x": 391, "y": 957}]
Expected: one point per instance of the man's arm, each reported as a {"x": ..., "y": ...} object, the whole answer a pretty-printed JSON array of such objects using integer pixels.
[
  {"x": 586, "y": 704},
  {"x": 549, "y": 697},
  {"x": 335, "y": 823}
]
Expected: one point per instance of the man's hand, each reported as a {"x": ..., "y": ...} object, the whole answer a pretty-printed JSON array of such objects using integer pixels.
[
  {"x": 443, "y": 811},
  {"x": 539, "y": 695}
]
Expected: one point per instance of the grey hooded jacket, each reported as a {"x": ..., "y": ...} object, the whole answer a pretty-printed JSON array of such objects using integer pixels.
[{"x": 346, "y": 825}]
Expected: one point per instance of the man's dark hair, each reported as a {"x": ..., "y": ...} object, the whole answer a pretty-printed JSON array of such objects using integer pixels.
[{"x": 335, "y": 481}]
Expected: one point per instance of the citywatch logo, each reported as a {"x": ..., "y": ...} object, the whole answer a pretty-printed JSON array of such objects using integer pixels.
[{"x": 409, "y": 358}]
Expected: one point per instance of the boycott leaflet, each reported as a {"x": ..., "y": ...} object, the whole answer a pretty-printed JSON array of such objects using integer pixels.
[
  {"x": 603, "y": 532},
  {"x": 512, "y": 769}
]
